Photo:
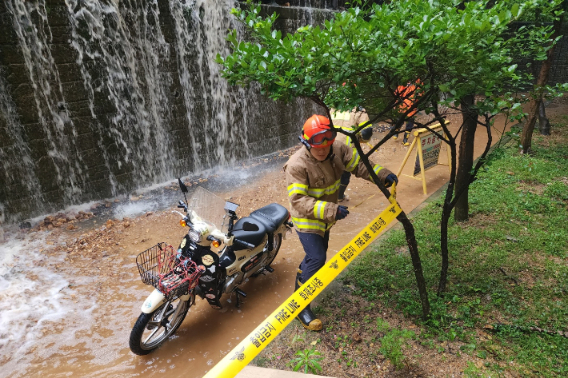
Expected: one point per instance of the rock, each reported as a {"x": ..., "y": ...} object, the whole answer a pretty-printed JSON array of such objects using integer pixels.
[
  {"x": 126, "y": 224},
  {"x": 71, "y": 227},
  {"x": 109, "y": 223},
  {"x": 25, "y": 225},
  {"x": 356, "y": 337},
  {"x": 149, "y": 213}
]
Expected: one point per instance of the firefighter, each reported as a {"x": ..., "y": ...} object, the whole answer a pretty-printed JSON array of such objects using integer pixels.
[
  {"x": 409, "y": 94},
  {"x": 313, "y": 176},
  {"x": 363, "y": 136}
]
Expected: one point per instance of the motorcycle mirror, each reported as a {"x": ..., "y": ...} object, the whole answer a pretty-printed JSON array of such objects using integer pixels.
[
  {"x": 250, "y": 226},
  {"x": 182, "y": 186}
]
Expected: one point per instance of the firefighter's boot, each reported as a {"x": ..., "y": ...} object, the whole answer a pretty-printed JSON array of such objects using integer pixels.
[
  {"x": 405, "y": 139},
  {"x": 306, "y": 316}
]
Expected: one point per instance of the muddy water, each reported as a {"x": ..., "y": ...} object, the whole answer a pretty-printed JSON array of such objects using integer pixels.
[{"x": 76, "y": 318}]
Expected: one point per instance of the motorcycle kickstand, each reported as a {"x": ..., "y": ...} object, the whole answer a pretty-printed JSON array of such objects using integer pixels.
[{"x": 239, "y": 293}]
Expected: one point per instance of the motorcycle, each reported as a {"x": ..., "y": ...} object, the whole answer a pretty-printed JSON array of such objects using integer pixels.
[{"x": 208, "y": 263}]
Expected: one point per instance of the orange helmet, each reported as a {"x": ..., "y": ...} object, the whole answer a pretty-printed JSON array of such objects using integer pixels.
[{"x": 317, "y": 132}]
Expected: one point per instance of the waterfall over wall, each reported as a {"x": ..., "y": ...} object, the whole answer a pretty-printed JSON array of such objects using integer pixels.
[{"x": 100, "y": 97}]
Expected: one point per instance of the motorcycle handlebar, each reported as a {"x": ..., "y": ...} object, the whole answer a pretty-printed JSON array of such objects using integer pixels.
[{"x": 244, "y": 243}]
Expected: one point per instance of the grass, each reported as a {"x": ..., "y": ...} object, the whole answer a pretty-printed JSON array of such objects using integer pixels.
[
  {"x": 507, "y": 289},
  {"x": 508, "y": 271}
]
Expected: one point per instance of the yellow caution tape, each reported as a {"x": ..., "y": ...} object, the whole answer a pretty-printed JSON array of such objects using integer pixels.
[
  {"x": 392, "y": 198},
  {"x": 275, "y": 323}
]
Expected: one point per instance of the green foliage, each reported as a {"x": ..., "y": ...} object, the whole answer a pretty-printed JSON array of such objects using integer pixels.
[
  {"x": 508, "y": 263},
  {"x": 382, "y": 325},
  {"x": 472, "y": 371},
  {"x": 308, "y": 359},
  {"x": 392, "y": 344},
  {"x": 298, "y": 338},
  {"x": 361, "y": 55}
]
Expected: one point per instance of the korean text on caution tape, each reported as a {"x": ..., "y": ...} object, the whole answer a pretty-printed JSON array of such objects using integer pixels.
[{"x": 268, "y": 329}]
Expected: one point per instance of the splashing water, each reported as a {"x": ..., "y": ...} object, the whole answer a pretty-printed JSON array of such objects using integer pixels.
[{"x": 30, "y": 295}]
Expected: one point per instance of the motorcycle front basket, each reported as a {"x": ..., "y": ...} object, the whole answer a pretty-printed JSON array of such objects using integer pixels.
[{"x": 161, "y": 267}]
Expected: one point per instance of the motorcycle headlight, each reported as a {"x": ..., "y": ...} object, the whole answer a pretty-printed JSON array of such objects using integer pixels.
[{"x": 195, "y": 236}]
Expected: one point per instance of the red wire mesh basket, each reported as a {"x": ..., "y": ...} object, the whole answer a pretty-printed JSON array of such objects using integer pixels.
[{"x": 161, "y": 267}]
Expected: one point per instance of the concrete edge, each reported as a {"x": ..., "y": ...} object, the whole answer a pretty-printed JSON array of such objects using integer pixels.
[{"x": 257, "y": 372}]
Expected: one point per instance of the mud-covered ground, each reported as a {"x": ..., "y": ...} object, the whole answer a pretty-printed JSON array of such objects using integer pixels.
[{"x": 83, "y": 326}]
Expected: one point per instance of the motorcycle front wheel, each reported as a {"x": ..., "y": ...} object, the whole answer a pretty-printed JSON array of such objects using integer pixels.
[{"x": 151, "y": 330}]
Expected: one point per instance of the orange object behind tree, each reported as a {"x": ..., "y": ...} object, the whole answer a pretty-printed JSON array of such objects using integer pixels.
[{"x": 408, "y": 93}]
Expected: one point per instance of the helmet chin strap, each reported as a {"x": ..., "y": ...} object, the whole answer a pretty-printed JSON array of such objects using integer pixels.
[{"x": 331, "y": 154}]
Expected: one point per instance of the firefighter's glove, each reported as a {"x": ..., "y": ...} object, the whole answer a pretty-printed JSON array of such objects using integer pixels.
[
  {"x": 390, "y": 179},
  {"x": 341, "y": 212},
  {"x": 366, "y": 134}
]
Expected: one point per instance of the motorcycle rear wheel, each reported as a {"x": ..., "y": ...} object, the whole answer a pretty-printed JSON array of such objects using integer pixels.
[
  {"x": 151, "y": 330},
  {"x": 276, "y": 243}
]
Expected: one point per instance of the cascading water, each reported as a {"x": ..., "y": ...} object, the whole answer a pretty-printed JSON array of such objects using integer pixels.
[
  {"x": 34, "y": 35},
  {"x": 127, "y": 95},
  {"x": 122, "y": 64},
  {"x": 18, "y": 175}
]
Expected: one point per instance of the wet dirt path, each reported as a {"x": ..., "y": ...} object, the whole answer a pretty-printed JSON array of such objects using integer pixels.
[{"x": 103, "y": 297}]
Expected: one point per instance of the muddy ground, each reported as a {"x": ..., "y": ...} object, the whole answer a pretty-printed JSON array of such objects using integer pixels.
[{"x": 95, "y": 254}]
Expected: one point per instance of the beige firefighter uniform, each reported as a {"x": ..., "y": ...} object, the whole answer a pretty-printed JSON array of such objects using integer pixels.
[
  {"x": 313, "y": 185},
  {"x": 347, "y": 140}
]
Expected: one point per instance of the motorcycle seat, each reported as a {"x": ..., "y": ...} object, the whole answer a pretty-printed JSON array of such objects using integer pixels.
[
  {"x": 252, "y": 237},
  {"x": 271, "y": 216}
]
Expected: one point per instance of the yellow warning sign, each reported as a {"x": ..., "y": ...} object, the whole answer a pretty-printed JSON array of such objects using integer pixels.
[
  {"x": 268, "y": 329},
  {"x": 428, "y": 145}
]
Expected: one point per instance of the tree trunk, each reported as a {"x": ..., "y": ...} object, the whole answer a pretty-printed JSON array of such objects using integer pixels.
[
  {"x": 465, "y": 158},
  {"x": 446, "y": 213},
  {"x": 410, "y": 236},
  {"x": 526, "y": 136},
  {"x": 544, "y": 123},
  {"x": 416, "y": 264}
]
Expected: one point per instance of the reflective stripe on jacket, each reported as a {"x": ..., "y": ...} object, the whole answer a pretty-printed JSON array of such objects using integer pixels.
[{"x": 313, "y": 185}]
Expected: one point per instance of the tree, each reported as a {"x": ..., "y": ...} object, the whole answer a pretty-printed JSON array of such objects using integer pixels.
[
  {"x": 536, "y": 105},
  {"x": 453, "y": 53}
]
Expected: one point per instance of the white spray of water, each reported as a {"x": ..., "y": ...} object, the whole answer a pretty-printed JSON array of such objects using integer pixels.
[
  {"x": 133, "y": 209},
  {"x": 30, "y": 294}
]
